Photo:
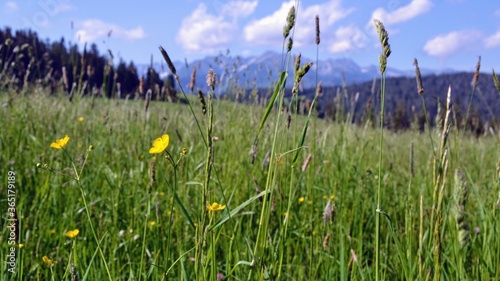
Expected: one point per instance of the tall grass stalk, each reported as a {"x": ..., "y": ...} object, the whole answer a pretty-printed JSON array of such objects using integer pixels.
[
  {"x": 420, "y": 91},
  {"x": 474, "y": 82},
  {"x": 386, "y": 51}
]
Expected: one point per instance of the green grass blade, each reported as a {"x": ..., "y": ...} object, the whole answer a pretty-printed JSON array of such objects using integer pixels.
[
  {"x": 181, "y": 206},
  {"x": 236, "y": 210},
  {"x": 401, "y": 255},
  {"x": 277, "y": 89}
]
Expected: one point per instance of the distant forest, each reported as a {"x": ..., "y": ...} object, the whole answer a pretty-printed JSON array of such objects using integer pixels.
[
  {"x": 404, "y": 105},
  {"x": 26, "y": 63}
]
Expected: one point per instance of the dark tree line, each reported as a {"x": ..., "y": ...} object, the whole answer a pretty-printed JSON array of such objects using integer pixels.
[
  {"x": 403, "y": 104},
  {"x": 27, "y": 61}
]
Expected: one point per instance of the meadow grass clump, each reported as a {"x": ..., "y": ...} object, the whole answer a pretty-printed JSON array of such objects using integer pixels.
[
  {"x": 147, "y": 190},
  {"x": 117, "y": 182}
]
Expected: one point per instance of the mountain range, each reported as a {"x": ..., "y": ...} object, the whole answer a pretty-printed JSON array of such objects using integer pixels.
[{"x": 261, "y": 71}]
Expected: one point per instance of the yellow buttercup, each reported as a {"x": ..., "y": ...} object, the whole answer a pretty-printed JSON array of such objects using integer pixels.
[{"x": 159, "y": 144}]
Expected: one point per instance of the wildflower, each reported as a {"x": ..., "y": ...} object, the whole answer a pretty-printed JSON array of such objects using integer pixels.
[
  {"x": 80, "y": 119},
  {"x": 301, "y": 199},
  {"x": 159, "y": 144},
  {"x": 60, "y": 143},
  {"x": 152, "y": 223},
  {"x": 215, "y": 207},
  {"x": 21, "y": 246},
  {"x": 72, "y": 233},
  {"x": 47, "y": 261}
]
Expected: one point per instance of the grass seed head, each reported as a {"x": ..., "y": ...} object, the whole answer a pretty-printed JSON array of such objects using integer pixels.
[
  {"x": 495, "y": 81},
  {"x": 192, "y": 82},
  {"x": 302, "y": 72},
  {"x": 168, "y": 61},
  {"x": 307, "y": 162},
  {"x": 211, "y": 79},
  {"x": 296, "y": 65},
  {"x": 74, "y": 273},
  {"x": 328, "y": 212},
  {"x": 384, "y": 41},
  {"x": 326, "y": 241},
  {"x": 203, "y": 103},
  {"x": 289, "y": 44},
  {"x": 319, "y": 89},
  {"x": 290, "y": 22},
  {"x": 148, "y": 100},
  {"x": 317, "y": 30},
  {"x": 420, "y": 88},
  {"x": 475, "y": 78}
]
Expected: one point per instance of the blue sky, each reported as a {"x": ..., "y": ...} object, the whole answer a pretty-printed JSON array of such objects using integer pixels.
[{"x": 440, "y": 34}]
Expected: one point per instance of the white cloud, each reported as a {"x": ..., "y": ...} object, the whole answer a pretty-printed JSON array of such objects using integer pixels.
[
  {"x": 492, "y": 41},
  {"x": 92, "y": 29},
  {"x": 402, "y": 14},
  {"x": 447, "y": 45},
  {"x": 204, "y": 32},
  {"x": 348, "y": 38},
  {"x": 269, "y": 29},
  {"x": 237, "y": 9},
  {"x": 10, "y": 7}
]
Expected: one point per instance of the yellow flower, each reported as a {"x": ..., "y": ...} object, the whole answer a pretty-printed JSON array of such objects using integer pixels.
[
  {"x": 301, "y": 199},
  {"x": 215, "y": 207},
  {"x": 21, "y": 246},
  {"x": 72, "y": 233},
  {"x": 159, "y": 144},
  {"x": 80, "y": 119},
  {"x": 60, "y": 143},
  {"x": 47, "y": 261},
  {"x": 152, "y": 223},
  {"x": 52, "y": 231},
  {"x": 332, "y": 197}
]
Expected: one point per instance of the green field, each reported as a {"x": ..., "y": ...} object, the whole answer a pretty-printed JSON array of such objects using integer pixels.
[
  {"x": 238, "y": 191},
  {"x": 144, "y": 233}
]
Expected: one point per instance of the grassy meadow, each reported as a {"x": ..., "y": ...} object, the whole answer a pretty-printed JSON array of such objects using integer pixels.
[
  {"x": 144, "y": 234},
  {"x": 137, "y": 189}
]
